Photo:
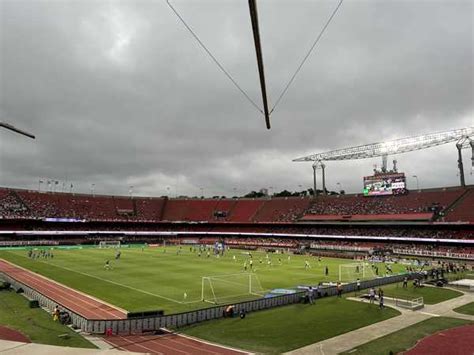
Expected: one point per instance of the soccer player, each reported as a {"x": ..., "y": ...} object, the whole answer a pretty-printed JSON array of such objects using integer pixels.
[
  {"x": 251, "y": 264},
  {"x": 326, "y": 271},
  {"x": 233, "y": 258},
  {"x": 245, "y": 265},
  {"x": 107, "y": 265},
  {"x": 117, "y": 255},
  {"x": 306, "y": 265}
]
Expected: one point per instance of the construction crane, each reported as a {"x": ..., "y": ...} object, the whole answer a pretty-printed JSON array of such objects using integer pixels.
[{"x": 463, "y": 137}]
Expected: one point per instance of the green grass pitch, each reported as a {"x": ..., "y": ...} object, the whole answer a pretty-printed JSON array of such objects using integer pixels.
[
  {"x": 431, "y": 295},
  {"x": 278, "y": 330},
  {"x": 159, "y": 278},
  {"x": 37, "y": 325},
  {"x": 466, "y": 309},
  {"x": 405, "y": 339}
]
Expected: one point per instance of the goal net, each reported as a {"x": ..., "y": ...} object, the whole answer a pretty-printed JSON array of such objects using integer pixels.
[
  {"x": 231, "y": 288},
  {"x": 109, "y": 244},
  {"x": 354, "y": 271}
]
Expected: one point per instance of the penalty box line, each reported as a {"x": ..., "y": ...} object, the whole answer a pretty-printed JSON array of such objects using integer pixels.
[{"x": 114, "y": 283}]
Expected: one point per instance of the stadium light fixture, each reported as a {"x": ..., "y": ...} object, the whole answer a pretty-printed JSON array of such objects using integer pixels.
[
  {"x": 463, "y": 137},
  {"x": 397, "y": 146}
]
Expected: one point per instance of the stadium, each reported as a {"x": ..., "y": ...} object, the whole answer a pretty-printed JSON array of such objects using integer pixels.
[{"x": 386, "y": 267}]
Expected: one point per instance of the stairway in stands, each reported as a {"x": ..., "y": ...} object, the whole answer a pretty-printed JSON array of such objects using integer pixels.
[{"x": 462, "y": 208}]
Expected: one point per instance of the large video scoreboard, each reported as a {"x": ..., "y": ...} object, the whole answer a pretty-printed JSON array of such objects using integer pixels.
[{"x": 385, "y": 184}]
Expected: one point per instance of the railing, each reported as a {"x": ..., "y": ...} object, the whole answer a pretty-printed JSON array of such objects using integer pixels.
[
  {"x": 430, "y": 253},
  {"x": 413, "y": 304}
]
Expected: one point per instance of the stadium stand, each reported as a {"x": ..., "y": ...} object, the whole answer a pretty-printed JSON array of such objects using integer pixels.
[
  {"x": 245, "y": 209},
  {"x": 223, "y": 209},
  {"x": 285, "y": 209},
  {"x": 449, "y": 204},
  {"x": 149, "y": 209},
  {"x": 463, "y": 210},
  {"x": 175, "y": 210},
  {"x": 417, "y": 205}
]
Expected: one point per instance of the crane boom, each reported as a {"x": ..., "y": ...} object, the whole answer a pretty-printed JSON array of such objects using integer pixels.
[{"x": 397, "y": 146}]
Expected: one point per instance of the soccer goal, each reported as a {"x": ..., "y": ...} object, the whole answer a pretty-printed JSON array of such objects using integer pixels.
[
  {"x": 354, "y": 271},
  {"x": 231, "y": 288},
  {"x": 103, "y": 244}
]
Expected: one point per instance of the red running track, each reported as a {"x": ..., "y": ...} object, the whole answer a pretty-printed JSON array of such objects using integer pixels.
[
  {"x": 456, "y": 341},
  {"x": 13, "y": 335},
  {"x": 168, "y": 344},
  {"x": 75, "y": 301}
]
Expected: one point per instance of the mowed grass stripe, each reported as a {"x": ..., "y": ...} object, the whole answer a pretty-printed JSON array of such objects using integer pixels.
[{"x": 112, "y": 282}]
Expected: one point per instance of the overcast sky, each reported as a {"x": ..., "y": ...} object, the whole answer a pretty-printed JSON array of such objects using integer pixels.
[{"x": 118, "y": 93}]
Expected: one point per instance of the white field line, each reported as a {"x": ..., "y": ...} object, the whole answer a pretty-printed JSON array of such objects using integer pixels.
[
  {"x": 62, "y": 285},
  {"x": 112, "y": 282}
]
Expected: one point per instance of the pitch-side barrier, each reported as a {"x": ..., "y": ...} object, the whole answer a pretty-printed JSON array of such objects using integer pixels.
[{"x": 139, "y": 325}]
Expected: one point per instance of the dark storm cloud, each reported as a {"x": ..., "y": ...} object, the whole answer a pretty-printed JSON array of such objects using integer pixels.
[{"x": 119, "y": 93}]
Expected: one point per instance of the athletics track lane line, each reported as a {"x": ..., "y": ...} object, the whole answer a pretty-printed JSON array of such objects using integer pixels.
[
  {"x": 33, "y": 280},
  {"x": 154, "y": 350},
  {"x": 51, "y": 286},
  {"x": 64, "y": 286},
  {"x": 132, "y": 346},
  {"x": 179, "y": 345},
  {"x": 187, "y": 343},
  {"x": 169, "y": 344},
  {"x": 60, "y": 293},
  {"x": 79, "y": 301}
]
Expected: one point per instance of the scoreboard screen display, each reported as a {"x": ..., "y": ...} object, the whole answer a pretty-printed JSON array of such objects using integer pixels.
[{"x": 385, "y": 184}]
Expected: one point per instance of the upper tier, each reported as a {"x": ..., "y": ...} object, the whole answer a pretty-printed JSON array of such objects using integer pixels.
[{"x": 457, "y": 204}]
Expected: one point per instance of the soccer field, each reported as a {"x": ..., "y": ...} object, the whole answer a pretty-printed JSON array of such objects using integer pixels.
[{"x": 160, "y": 278}]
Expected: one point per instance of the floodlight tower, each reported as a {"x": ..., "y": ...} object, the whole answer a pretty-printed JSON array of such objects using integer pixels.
[
  {"x": 319, "y": 165},
  {"x": 460, "y": 164},
  {"x": 471, "y": 143},
  {"x": 463, "y": 143},
  {"x": 463, "y": 138}
]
